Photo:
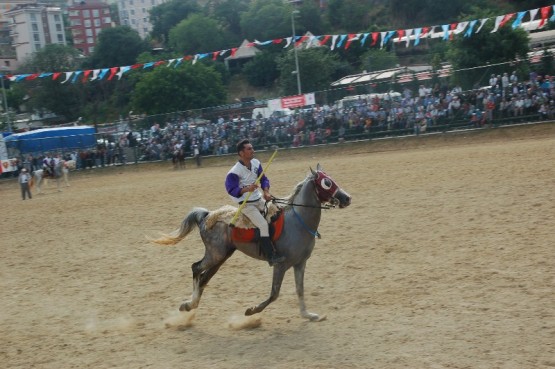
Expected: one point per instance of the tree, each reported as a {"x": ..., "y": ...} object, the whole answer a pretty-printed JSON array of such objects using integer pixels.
[
  {"x": 228, "y": 12},
  {"x": 485, "y": 48},
  {"x": 197, "y": 34},
  {"x": 46, "y": 94},
  {"x": 169, "y": 89},
  {"x": 262, "y": 70},
  {"x": 378, "y": 59},
  {"x": 318, "y": 68},
  {"x": 118, "y": 46},
  {"x": 167, "y": 15},
  {"x": 266, "y": 20}
]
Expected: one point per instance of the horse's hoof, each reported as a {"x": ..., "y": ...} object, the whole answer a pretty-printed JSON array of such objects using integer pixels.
[
  {"x": 250, "y": 311},
  {"x": 185, "y": 307}
]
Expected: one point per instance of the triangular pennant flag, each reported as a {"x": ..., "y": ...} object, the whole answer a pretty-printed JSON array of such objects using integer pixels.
[
  {"x": 426, "y": 31},
  {"x": 383, "y": 34},
  {"x": 75, "y": 76},
  {"x": 498, "y": 21},
  {"x": 95, "y": 74},
  {"x": 288, "y": 39},
  {"x": 352, "y": 37},
  {"x": 506, "y": 19},
  {"x": 179, "y": 61},
  {"x": 417, "y": 33},
  {"x": 333, "y": 39},
  {"x": 518, "y": 20},
  {"x": 44, "y": 75},
  {"x": 461, "y": 27},
  {"x": 215, "y": 55},
  {"x": 103, "y": 73},
  {"x": 277, "y": 41},
  {"x": 453, "y": 27},
  {"x": 137, "y": 66},
  {"x": 325, "y": 40},
  {"x": 86, "y": 75},
  {"x": 341, "y": 40},
  {"x": 375, "y": 36},
  {"x": 553, "y": 16},
  {"x": 68, "y": 74},
  {"x": 470, "y": 28},
  {"x": 544, "y": 14},
  {"x": 123, "y": 70},
  {"x": 233, "y": 51},
  {"x": 408, "y": 33},
  {"x": 148, "y": 65},
  {"x": 157, "y": 64},
  {"x": 113, "y": 72},
  {"x": 388, "y": 37},
  {"x": 533, "y": 14},
  {"x": 21, "y": 77},
  {"x": 56, "y": 75},
  {"x": 31, "y": 77},
  {"x": 482, "y": 22},
  {"x": 170, "y": 62},
  {"x": 400, "y": 35},
  {"x": 364, "y": 37},
  {"x": 445, "y": 29}
]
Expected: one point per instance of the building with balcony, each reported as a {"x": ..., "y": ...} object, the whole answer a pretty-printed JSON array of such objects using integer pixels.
[
  {"x": 135, "y": 14},
  {"x": 87, "y": 19},
  {"x": 33, "y": 26}
]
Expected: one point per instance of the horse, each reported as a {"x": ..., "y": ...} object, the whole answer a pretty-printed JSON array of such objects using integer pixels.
[
  {"x": 301, "y": 217},
  {"x": 60, "y": 171},
  {"x": 178, "y": 159}
]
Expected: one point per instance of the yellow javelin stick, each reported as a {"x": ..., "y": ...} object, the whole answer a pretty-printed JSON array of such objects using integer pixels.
[{"x": 231, "y": 224}]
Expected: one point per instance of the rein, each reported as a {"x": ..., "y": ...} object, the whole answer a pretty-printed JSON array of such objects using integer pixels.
[{"x": 326, "y": 206}]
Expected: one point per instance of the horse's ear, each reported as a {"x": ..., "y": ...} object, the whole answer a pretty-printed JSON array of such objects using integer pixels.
[
  {"x": 318, "y": 167},
  {"x": 312, "y": 171}
]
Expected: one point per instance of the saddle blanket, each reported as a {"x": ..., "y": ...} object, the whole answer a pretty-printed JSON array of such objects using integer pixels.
[{"x": 243, "y": 229}]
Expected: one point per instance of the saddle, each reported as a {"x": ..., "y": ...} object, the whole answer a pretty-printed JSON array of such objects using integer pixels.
[
  {"x": 253, "y": 234},
  {"x": 243, "y": 230}
]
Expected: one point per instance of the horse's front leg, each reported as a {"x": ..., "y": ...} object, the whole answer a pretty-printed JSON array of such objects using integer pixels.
[
  {"x": 279, "y": 273},
  {"x": 299, "y": 285}
]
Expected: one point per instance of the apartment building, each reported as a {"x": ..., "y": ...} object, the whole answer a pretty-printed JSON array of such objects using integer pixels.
[
  {"x": 87, "y": 19},
  {"x": 135, "y": 14},
  {"x": 33, "y": 26}
]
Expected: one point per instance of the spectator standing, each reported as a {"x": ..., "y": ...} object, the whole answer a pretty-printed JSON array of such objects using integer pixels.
[{"x": 24, "y": 180}]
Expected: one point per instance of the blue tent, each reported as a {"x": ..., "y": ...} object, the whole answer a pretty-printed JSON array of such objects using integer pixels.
[{"x": 52, "y": 139}]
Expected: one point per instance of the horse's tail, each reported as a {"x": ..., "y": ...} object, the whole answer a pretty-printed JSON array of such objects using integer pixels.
[{"x": 191, "y": 221}]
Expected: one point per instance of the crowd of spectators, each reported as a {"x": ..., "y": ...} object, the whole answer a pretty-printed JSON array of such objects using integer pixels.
[{"x": 414, "y": 111}]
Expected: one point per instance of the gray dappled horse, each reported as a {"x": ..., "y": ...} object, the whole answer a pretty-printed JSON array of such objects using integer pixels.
[{"x": 302, "y": 214}]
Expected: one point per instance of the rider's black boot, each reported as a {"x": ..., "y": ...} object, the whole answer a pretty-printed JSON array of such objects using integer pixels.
[{"x": 269, "y": 251}]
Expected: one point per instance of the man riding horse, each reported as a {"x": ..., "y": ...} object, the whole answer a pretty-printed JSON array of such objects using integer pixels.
[
  {"x": 48, "y": 165},
  {"x": 240, "y": 180}
]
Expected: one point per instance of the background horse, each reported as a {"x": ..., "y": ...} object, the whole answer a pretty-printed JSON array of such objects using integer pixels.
[
  {"x": 301, "y": 219},
  {"x": 43, "y": 175},
  {"x": 178, "y": 159}
]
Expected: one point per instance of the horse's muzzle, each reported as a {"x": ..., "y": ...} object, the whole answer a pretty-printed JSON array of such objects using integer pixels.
[{"x": 343, "y": 199}]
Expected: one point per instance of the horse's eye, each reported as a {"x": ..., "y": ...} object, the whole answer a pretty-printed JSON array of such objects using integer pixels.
[{"x": 326, "y": 183}]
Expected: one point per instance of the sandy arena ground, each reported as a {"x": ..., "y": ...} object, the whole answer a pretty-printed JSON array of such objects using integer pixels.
[{"x": 444, "y": 260}]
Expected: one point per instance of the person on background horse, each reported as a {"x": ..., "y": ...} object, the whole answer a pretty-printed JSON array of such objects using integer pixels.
[
  {"x": 48, "y": 164},
  {"x": 240, "y": 180}
]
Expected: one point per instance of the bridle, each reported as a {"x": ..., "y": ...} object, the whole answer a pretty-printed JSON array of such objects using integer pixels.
[{"x": 325, "y": 189}]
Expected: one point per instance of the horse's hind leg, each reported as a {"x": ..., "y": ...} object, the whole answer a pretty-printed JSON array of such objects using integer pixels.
[
  {"x": 299, "y": 285},
  {"x": 201, "y": 276},
  {"x": 279, "y": 273}
]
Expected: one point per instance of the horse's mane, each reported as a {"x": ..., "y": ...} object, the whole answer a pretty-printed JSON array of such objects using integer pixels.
[{"x": 289, "y": 199}]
